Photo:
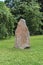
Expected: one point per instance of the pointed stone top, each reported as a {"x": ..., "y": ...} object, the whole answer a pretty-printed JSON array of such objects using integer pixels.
[{"x": 22, "y": 22}]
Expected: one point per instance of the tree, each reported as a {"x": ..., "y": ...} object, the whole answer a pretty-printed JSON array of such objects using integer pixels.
[
  {"x": 29, "y": 10},
  {"x": 6, "y": 21}
]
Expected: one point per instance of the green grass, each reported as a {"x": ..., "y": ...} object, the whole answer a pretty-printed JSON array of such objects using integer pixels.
[{"x": 12, "y": 56}]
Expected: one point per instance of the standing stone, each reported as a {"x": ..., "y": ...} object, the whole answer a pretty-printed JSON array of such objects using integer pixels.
[{"x": 22, "y": 35}]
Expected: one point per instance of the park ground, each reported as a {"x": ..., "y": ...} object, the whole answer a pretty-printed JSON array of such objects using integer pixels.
[{"x": 12, "y": 56}]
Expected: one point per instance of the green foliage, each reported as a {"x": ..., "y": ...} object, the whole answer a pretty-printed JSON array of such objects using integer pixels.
[
  {"x": 30, "y": 12},
  {"x": 6, "y": 21}
]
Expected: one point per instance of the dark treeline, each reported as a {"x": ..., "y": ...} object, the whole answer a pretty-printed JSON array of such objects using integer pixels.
[{"x": 12, "y": 10}]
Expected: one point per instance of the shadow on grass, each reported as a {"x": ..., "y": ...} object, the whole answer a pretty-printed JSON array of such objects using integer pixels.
[{"x": 17, "y": 49}]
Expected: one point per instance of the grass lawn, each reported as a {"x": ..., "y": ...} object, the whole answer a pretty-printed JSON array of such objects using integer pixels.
[{"x": 12, "y": 56}]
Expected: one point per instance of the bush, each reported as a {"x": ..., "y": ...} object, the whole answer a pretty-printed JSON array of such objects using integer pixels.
[
  {"x": 30, "y": 12},
  {"x": 6, "y": 21}
]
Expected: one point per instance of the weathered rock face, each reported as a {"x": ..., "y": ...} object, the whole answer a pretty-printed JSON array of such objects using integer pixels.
[{"x": 22, "y": 35}]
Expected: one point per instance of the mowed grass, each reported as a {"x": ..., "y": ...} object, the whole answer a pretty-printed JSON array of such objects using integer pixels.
[{"x": 12, "y": 56}]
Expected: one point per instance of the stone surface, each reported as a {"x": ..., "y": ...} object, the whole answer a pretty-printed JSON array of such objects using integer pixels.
[{"x": 22, "y": 35}]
